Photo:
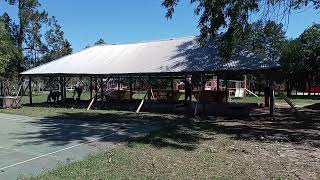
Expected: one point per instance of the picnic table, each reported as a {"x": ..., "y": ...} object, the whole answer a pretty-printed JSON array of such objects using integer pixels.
[
  {"x": 167, "y": 94},
  {"x": 211, "y": 96},
  {"x": 119, "y": 94}
]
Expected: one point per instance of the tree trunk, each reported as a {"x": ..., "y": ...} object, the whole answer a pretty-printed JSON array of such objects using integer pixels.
[
  {"x": 288, "y": 87},
  {"x": 20, "y": 36}
]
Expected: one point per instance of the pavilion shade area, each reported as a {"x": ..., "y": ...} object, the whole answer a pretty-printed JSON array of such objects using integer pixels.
[{"x": 165, "y": 56}]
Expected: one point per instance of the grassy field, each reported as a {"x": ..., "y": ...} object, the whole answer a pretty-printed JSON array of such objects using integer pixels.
[
  {"x": 192, "y": 148},
  {"x": 42, "y": 97},
  {"x": 220, "y": 159}
]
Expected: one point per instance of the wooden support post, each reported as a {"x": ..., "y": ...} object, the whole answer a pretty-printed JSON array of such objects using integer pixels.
[
  {"x": 272, "y": 101},
  {"x": 245, "y": 85},
  {"x": 1, "y": 88},
  {"x": 226, "y": 89},
  {"x": 149, "y": 84},
  {"x": 218, "y": 82},
  {"x": 91, "y": 88},
  {"x": 101, "y": 89},
  {"x": 185, "y": 93},
  {"x": 267, "y": 96},
  {"x": 288, "y": 87},
  {"x": 30, "y": 90},
  {"x": 259, "y": 85},
  {"x": 119, "y": 79},
  {"x": 119, "y": 87},
  {"x": 309, "y": 87},
  {"x": 62, "y": 88},
  {"x": 149, "y": 92},
  {"x": 172, "y": 84},
  {"x": 96, "y": 88},
  {"x": 203, "y": 87},
  {"x": 130, "y": 84}
]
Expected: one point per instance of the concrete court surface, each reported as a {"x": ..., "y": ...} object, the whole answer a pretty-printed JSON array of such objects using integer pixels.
[{"x": 28, "y": 146}]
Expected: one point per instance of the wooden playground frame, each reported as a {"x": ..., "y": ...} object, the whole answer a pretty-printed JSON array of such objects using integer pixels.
[{"x": 95, "y": 79}]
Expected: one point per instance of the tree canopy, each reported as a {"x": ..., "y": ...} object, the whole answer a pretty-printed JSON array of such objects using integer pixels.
[
  {"x": 310, "y": 50},
  {"x": 35, "y": 38},
  {"x": 302, "y": 55},
  {"x": 9, "y": 52},
  {"x": 264, "y": 38},
  {"x": 57, "y": 45},
  {"x": 230, "y": 18}
]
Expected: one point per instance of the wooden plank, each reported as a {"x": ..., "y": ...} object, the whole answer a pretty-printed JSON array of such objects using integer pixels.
[
  {"x": 152, "y": 94},
  {"x": 23, "y": 92},
  {"x": 251, "y": 92},
  {"x": 142, "y": 102},
  {"x": 89, "y": 107},
  {"x": 291, "y": 104}
]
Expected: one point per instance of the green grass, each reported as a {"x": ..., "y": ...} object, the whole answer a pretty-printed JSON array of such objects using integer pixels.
[
  {"x": 185, "y": 148},
  {"x": 299, "y": 100},
  {"x": 136, "y": 161}
]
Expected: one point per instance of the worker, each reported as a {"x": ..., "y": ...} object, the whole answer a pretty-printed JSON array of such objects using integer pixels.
[
  {"x": 188, "y": 90},
  {"x": 78, "y": 88}
]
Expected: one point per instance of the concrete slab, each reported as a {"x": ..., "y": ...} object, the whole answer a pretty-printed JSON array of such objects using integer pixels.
[{"x": 32, "y": 145}]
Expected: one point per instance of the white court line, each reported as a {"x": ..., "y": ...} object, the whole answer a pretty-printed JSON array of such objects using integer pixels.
[{"x": 54, "y": 152}]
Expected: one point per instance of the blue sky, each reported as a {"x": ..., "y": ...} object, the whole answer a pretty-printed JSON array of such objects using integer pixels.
[{"x": 123, "y": 21}]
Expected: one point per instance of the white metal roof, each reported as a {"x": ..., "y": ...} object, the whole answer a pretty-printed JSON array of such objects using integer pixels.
[{"x": 175, "y": 55}]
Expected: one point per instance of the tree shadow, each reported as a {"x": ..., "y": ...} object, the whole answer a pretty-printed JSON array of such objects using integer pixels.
[
  {"x": 315, "y": 106},
  {"x": 285, "y": 127},
  {"x": 190, "y": 56},
  {"x": 173, "y": 131},
  {"x": 66, "y": 128}
]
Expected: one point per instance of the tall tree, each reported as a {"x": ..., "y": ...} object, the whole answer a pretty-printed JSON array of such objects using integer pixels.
[
  {"x": 264, "y": 38},
  {"x": 291, "y": 57},
  {"x": 9, "y": 52},
  {"x": 28, "y": 35},
  {"x": 232, "y": 16},
  {"x": 57, "y": 45},
  {"x": 310, "y": 47}
]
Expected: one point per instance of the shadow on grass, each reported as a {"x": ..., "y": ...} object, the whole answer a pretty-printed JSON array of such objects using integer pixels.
[
  {"x": 284, "y": 128},
  {"x": 312, "y": 97},
  {"x": 315, "y": 106},
  {"x": 172, "y": 131}
]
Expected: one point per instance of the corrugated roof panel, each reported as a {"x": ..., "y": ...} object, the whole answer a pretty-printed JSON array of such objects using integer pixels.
[{"x": 175, "y": 55}]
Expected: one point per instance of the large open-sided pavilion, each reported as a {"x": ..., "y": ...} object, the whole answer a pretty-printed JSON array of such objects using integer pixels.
[{"x": 165, "y": 59}]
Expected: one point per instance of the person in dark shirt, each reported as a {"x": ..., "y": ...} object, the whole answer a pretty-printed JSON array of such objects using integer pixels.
[
  {"x": 188, "y": 91},
  {"x": 78, "y": 88}
]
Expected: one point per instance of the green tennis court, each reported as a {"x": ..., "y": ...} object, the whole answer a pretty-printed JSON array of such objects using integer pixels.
[{"x": 31, "y": 145}]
